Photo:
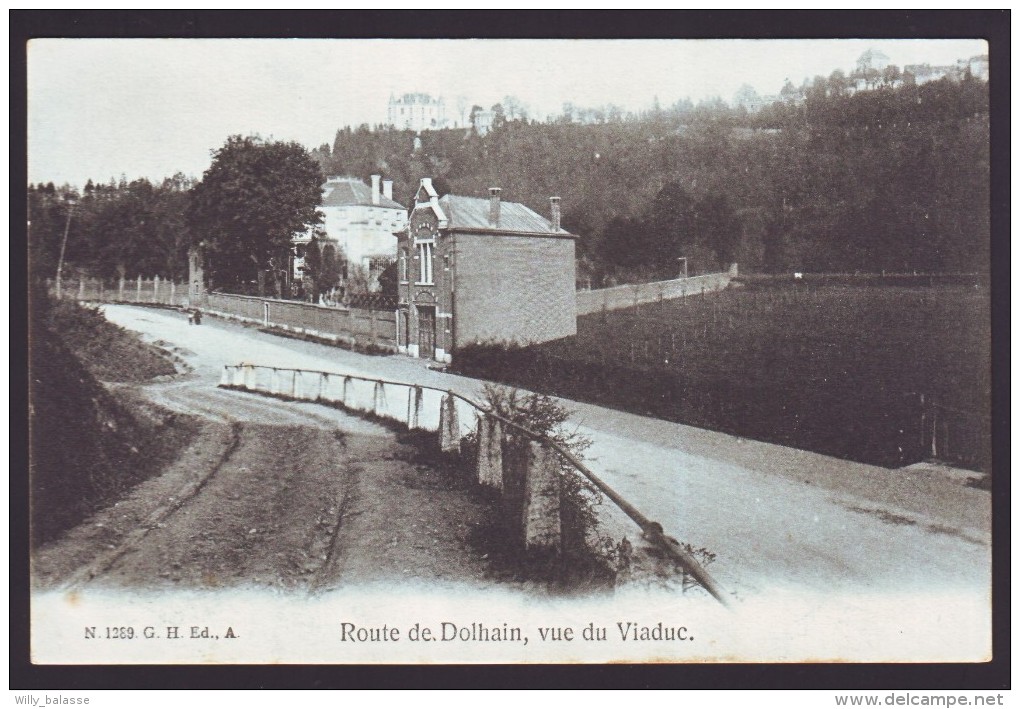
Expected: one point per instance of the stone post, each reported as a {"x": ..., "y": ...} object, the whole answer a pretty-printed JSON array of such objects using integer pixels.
[
  {"x": 379, "y": 399},
  {"x": 541, "y": 514},
  {"x": 138, "y": 291},
  {"x": 449, "y": 430},
  {"x": 345, "y": 391},
  {"x": 294, "y": 375},
  {"x": 120, "y": 289},
  {"x": 155, "y": 289},
  {"x": 239, "y": 376},
  {"x": 414, "y": 399},
  {"x": 321, "y": 386},
  {"x": 490, "y": 452},
  {"x": 274, "y": 381},
  {"x": 249, "y": 377},
  {"x": 81, "y": 289},
  {"x": 173, "y": 288}
]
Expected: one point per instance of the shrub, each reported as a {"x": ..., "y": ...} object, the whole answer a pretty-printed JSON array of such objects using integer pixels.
[{"x": 586, "y": 556}]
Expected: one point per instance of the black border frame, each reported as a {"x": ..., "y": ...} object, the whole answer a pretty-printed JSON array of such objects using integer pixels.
[{"x": 991, "y": 25}]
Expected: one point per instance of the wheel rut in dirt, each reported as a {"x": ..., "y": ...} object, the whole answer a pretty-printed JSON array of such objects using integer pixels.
[{"x": 292, "y": 508}]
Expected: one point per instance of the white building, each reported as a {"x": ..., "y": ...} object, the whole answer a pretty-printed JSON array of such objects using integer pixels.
[
  {"x": 482, "y": 121},
  {"x": 416, "y": 112},
  {"x": 359, "y": 220}
]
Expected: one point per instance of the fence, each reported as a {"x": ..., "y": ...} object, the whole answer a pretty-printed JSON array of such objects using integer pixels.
[
  {"x": 533, "y": 488},
  {"x": 137, "y": 290},
  {"x": 618, "y": 297},
  {"x": 953, "y": 435},
  {"x": 353, "y": 327}
]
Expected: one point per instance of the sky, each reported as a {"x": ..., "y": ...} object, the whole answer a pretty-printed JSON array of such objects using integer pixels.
[{"x": 103, "y": 108}]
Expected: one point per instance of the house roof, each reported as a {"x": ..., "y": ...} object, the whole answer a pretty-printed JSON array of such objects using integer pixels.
[
  {"x": 472, "y": 214},
  {"x": 350, "y": 192}
]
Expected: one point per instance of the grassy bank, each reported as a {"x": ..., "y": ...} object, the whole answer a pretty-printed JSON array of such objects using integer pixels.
[{"x": 89, "y": 444}]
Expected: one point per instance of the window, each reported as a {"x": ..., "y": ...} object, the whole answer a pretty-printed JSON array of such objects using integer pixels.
[
  {"x": 425, "y": 263},
  {"x": 403, "y": 265}
]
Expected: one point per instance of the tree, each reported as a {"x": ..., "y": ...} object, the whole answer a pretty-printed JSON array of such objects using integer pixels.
[
  {"x": 250, "y": 202},
  {"x": 313, "y": 267}
]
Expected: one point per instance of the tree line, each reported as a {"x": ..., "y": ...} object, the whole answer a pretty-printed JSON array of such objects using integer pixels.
[
  {"x": 893, "y": 179},
  {"x": 254, "y": 198}
]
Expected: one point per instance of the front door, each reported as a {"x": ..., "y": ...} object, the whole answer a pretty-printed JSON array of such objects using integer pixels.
[{"x": 426, "y": 332}]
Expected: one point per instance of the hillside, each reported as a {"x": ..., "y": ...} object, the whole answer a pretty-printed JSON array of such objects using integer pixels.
[
  {"x": 90, "y": 444},
  {"x": 891, "y": 179}
]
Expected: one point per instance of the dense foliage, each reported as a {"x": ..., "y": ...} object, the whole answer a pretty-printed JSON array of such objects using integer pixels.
[
  {"x": 250, "y": 203},
  {"x": 115, "y": 229},
  {"x": 888, "y": 179},
  {"x": 891, "y": 179}
]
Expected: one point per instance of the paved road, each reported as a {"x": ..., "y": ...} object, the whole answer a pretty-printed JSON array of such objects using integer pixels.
[{"x": 777, "y": 519}]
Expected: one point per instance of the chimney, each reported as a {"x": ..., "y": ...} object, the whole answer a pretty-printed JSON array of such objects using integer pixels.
[
  {"x": 554, "y": 208},
  {"x": 387, "y": 189},
  {"x": 494, "y": 206},
  {"x": 375, "y": 189}
]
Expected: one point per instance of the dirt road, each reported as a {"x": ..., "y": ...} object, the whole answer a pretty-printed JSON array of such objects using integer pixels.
[
  {"x": 776, "y": 518},
  {"x": 276, "y": 495}
]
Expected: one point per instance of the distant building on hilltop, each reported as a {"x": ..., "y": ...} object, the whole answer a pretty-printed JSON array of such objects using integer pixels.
[
  {"x": 977, "y": 66},
  {"x": 482, "y": 121},
  {"x": 416, "y": 112},
  {"x": 872, "y": 60}
]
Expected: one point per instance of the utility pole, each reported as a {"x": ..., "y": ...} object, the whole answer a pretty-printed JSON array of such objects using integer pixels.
[{"x": 63, "y": 245}]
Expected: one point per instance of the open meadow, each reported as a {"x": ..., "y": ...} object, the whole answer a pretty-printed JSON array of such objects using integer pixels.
[{"x": 867, "y": 370}]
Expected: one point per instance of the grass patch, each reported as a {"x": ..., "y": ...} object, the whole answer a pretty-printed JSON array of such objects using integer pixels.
[
  {"x": 89, "y": 445},
  {"x": 110, "y": 352},
  {"x": 834, "y": 368}
]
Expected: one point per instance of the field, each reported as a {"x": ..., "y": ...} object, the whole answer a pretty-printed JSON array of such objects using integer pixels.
[{"x": 885, "y": 374}]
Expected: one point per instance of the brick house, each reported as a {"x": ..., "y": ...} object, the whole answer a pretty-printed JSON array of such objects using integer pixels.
[{"x": 474, "y": 270}]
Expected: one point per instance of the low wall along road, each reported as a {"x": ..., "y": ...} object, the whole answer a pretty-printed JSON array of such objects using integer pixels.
[
  {"x": 618, "y": 297},
  {"x": 353, "y": 327},
  {"x": 531, "y": 483}
]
